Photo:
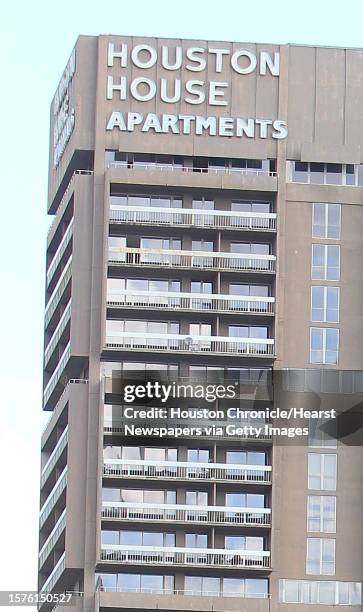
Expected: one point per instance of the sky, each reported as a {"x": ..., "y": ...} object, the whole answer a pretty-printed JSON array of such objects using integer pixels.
[{"x": 36, "y": 39}]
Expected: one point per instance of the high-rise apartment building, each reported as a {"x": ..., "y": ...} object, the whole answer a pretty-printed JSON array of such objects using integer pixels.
[{"x": 208, "y": 222}]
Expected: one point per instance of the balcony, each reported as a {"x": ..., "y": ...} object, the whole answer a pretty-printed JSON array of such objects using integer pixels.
[
  {"x": 190, "y": 218},
  {"x": 126, "y": 599},
  {"x": 58, "y": 291},
  {"x": 178, "y": 343},
  {"x": 54, "y": 576},
  {"x": 57, "y": 334},
  {"x": 53, "y": 497},
  {"x": 186, "y": 260},
  {"x": 57, "y": 452},
  {"x": 177, "y": 513},
  {"x": 52, "y": 538},
  {"x": 180, "y": 470},
  {"x": 57, "y": 257},
  {"x": 184, "y": 176},
  {"x": 187, "y": 557},
  {"x": 54, "y": 379},
  {"x": 201, "y": 302}
]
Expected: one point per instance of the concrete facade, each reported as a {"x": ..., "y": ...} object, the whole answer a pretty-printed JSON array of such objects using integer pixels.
[{"x": 299, "y": 115}]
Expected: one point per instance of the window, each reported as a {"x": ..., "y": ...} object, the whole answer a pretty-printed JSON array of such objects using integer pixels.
[
  {"x": 321, "y": 513},
  {"x": 201, "y": 287},
  {"x": 198, "y": 455},
  {"x": 320, "y": 557},
  {"x": 161, "y": 243},
  {"x": 145, "y": 583},
  {"x": 245, "y": 206},
  {"x": 321, "y": 173},
  {"x": 246, "y": 457},
  {"x": 201, "y": 585},
  {"x": 322, "y": 471},
  {"x": 138, "y": 496},
  {"x": 196, "y": 498},
  {"x": 324, "y": 345},
  {"x": 323, "y": 433},
  {"x": 203, "y": 204},
  {"x": 320, "y": 592},
  {"x": 244, "y": 500},
  {"x": 325, "y": 304},
  {"x": 325, "y": 262},
  {"x": 202, "y": 245},
  {"x": 243, "y": 543},
  {"x": 251, "y": 247},
  {"x": 326, "y": 221},
  {"x": 242, "y": 331},
  {"x": 144, "y": 538},
  {"x": 145, "y": 201},
  {"x": 255, "y": 290},
  {"x": 196, "y": 540}
]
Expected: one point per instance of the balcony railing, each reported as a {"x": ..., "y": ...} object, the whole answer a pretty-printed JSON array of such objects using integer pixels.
[
  {"x": 191, "y": 301},
  {"x": 54, "y": 379},
  {"x": 191, "y": 169},
  {"x": 180, "y": 470},
  {"x": 189, "y": 217},
  {"x": 183, "y": 592},
  {"x": 176, "y": 513},
  {"x": 58, "y": 292},
  {"x": 53, "y": 497},
  {"x": 206, "y": 557},
  {"x": 57, "y": 334},
  {"x": 191, "y": 344},
  {"x": 60, "y": 252},
  {"x": 155, "y": 258},
  {"x": 53, "y": 578},
  {"x": 57, "y": 451},
  {"x": 52, "y": 539}
]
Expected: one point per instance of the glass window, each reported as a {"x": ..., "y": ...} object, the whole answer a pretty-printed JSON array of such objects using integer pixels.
[
  {"x": 202, "y": 245},
  {"x": 317, "y": 173},
  {"x": 321, "y": 513},
  {"x": 326, "y": 220},
  {"x": 196, "y": 498},
  {"x": 203, "y": 204},
  {"x": 201, "y": 287},
  {"x": 334, "y": 174},
  {"x": 319, "y": 437},
  {"x": 324, "y": 345},
  {"x": 196, "y": 540},
  {"x": 320, "y": 558},
  {"x": 325, "y": 262},
  {"x": 290, "y": 591},
  {"x": 197, "y": 455},
  {"x": 325, "y": 304},
  {"x": 300, "y": 172},
  {"x": 256, "y": 587},
  {"x": 322, "y": 470}
]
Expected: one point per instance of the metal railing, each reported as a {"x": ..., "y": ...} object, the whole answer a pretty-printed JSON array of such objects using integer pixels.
[
  {"x": 60, "y": 252},
  {"x": 183, "y": 470},
  {"x": 206, "y": 557},
  {"x": 177, "y": 513},
  {"x": 190, "y": 217},
  {"x": 190, "y": 344},
  {"x": 192, "y": 169},
  {"x": 58, "y": 292},
  {"x": 54, "y": 379},
  {"x": 53, "y": 497},
  {"x": 57, "y": 451},
  {"x": 191, "y": 301},
  {"x": 183, "y": 592},
  {"x": 191, "y": 259},
  {"x": 54, "y": 576},
  {"x": 53, "y": 538},
  {"x": 57, "y": 334}
]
